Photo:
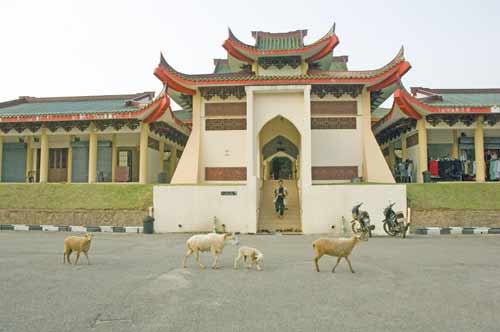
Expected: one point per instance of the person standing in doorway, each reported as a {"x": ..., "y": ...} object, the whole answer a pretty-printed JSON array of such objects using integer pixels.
[{"x": 280, "y": 194}]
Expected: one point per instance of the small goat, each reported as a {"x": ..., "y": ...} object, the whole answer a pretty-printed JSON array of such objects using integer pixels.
[
  {"x": 340, "y": 248},
  {"x": 78, "y": 244},
  {"x": 207, "y": 242},
  {"x": 253, "y": 254}
]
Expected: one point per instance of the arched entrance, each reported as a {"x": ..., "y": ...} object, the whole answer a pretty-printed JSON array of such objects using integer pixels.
[
  {"x": 279, "y": 150},
  {"x": 279, "y": 155}
]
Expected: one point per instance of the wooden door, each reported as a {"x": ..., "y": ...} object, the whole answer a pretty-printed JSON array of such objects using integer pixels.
[{"x": 58, "y": 165}]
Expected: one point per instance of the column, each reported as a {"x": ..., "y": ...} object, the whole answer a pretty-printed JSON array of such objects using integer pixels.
[
  {"x": 44, "y": 156},
  {"x": 306, "y": 142},
  {"x": 250, "y": 138},
  {"x": 143, "y": 153},
  {"x": 1, "y": 156},
  {"x": 161, "y": 149},
  {"x": 172, "y": 163},
  {"x": 422, "y": 149},
  {"x": 92, "y": 154},
  {"x": 69, "y": 176},
  {"x": 29, "y": 156},
  {"x": 454, "y": 145},
  {"x": 392, "y": 156},
  {"x": 114, "y": 158},
  {"x": 479, "y": 150},
  {"x": 404, "y": 148}
]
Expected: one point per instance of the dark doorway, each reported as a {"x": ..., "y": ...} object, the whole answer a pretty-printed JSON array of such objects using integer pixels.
[{"x": 281, "y": 168}]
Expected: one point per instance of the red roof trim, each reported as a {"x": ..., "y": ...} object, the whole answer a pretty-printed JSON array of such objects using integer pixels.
[
  {"x": 82, "y": 117},
  {"x": 333, "y": 41},
  {"x": 159, "y": 111},
  {"x": 256, "y": 52},
  {"x": 163, "y": 75},
  {"x": 411, "y": 101},
  {"x": 235, "y": 53},
  {"x": 403, "y": 105},
  {"x": 403, "y": 68},
  {"x": 169, "y": 77}
]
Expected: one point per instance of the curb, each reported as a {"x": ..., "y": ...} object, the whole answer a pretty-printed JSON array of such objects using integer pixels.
[
  {"x": 52, "y": 228},
  {"x": 456, "y": 230}
]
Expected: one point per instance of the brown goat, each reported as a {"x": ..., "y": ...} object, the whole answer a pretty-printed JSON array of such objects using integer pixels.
[
  {"x": 78, "y": 244},
  {"x": 340, "y": 248}
]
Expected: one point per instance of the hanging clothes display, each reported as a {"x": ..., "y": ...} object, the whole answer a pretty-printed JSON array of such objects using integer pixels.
[{"x": 434, "y": 167}]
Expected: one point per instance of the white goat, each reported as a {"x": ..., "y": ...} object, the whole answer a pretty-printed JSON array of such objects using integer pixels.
[
  {"x": 253, "y": 254},
  {"x": 340, "y": 248},
  {"x": 78, "y": 244},
  {"x": 207, "y": 242}
]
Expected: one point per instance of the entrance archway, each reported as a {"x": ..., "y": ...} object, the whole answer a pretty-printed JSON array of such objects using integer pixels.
[
  {"x": 279, "y": 149},
  {"x": 279, "y": 156}
]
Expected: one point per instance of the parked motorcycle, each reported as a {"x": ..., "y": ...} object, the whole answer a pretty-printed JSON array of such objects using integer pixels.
[
  {"x": 361, "y": 221},
  {"x": 394, "y": 222}
]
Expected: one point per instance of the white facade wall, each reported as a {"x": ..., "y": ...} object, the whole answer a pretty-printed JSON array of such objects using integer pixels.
[
  {"x": 325, "y": 205},
  {"x": 337, "y": 147},
  {"x": 194, "y": 207},
  {"x": 223, "y": 148}
]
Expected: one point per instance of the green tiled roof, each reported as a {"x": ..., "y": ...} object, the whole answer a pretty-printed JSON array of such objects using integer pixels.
[
  {"x": 312, "y": 74},
  {"x": 289, "y": 43},
  {"x": 265, "y": 41},
  {"x": 29, "y": 106},
  {"x": 183, "y": 115},
  {"x": 466, "y": 99},
  {"x": 338, "y": 66},
  {"x": 380, "y": 112}
]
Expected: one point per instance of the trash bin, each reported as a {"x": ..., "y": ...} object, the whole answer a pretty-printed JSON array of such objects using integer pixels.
[
  {"x": 162, "y": 177},
  {"x": 427, "y": 176},
  {"x": 147, "y": 224}
]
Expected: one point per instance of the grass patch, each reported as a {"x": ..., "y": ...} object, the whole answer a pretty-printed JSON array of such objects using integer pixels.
[
  {"x": 478, "y": 196},
  {"x": 76, "y": 196}
]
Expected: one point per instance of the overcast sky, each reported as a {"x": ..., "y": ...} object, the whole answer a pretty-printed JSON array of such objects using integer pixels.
[{"x": 67, "y": 47}]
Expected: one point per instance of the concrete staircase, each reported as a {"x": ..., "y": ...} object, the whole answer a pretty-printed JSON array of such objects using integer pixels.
[{"x": 268, "y": 219}]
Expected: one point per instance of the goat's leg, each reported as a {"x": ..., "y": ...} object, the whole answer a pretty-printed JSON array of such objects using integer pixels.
[
  {"x": 237, "y": 261},
  {"x": 349, "y": 262},
  {"x": 338, "y": 261},
  {"x": 197, "y": 254},
  {"x": 258, "y": 266},
  {"x": 216, "y": 259},
  {"x": 67, "y": 256},
  {"x": 64, "y": 257},
  {"x": 87, "y": 255},
  {"x": 215, "y": 253},
  {"x": 77, "y": 257},
  {"x": 316, "y": 259},
  {"x": 189, "y": 253}
]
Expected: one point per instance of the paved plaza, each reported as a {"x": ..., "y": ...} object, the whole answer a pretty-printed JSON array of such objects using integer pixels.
[{"x": 135, "y": 283}]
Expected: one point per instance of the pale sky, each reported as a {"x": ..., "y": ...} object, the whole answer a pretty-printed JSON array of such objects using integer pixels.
[{"x": 67, "y": 47}]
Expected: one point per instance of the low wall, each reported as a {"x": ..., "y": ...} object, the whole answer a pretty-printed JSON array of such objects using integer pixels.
[
  {"x": 72, "y": 217},
  {"x": 194, "y": 208},
  {"x": 325, "y": 205},
  {"x": 455, "y": 218}
]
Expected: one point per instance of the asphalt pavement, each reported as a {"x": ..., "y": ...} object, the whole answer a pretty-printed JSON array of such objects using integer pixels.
[{"x": 136, "y": 283}]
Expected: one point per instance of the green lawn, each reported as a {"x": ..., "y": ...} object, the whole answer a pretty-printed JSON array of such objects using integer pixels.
[
  {"x": 484, "y": 196},
  {"x": 136, "y": 196},
  {"x": 76, "y": 196}
]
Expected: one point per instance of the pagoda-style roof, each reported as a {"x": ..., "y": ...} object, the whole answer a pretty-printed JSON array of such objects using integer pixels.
[
  {"x": 281, "y": 44},
  {"x": 422, "y": 102},
  {"x": 186, "y": 82},
  {"x": 279, "y": 50},
  {"x": 142, "y": 106}
]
